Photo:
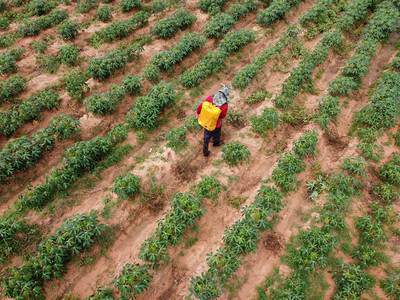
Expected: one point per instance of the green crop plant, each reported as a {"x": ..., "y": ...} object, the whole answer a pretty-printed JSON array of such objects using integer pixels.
[
  {"x": 234, "y": 153},
  {"x": 128, "y": 5},
  {"x": 76, "y": 85},
  {"x": 68, "y": 29},
  {"x": 351, "y": 281},
  {"x": 328, "y": 108},
  {"x": 84, "y": 6},
  {"x": 146, "y": 110},
  {"x": 176, "y": 138},
  {"x": 27, "y": 110},
  {"x": 205, "y": 286},
  {"x": 269, "y": 119},
  {"x": 179, "y": 20},
  {"x": 284, "y": 173},
  {"x": 166, "y": 60},
  {"x": 50, "y": 63},
  {"x": 75, "y": 235},
  {"x": 32, "y": 27},
  {"x": 214, "y": 60},
  {"x": 103, "y": 67},
  {"x": 131, "y": 85},
  {"x": 209, "y": 187},
  {"x": 9, "y": 59},
  {"x": 39, "y": 47},
  {"x": 371, "y": 230},
  {"x": 104, "y": 13},
  {"x": 343, "y": 86},
  {"x": 391, "y": 285},
  {"x": 126, "y": 186},
  {"x": 306, "y": 145},
  {"x": 354, "y": 166},
  {"x": 192, "y": 124},
  {"x": 386, "y": 192},
  {"x": 41, "y": 7},
  {"x": 276, "y": 10},
  {"x": 157, "y": 6},
  {"x": 64, "y": 127},
  {"x": 4, "y": 23},
  {"x": 7, "y": 39},
  {"x": 397, "y": 138},
  {"x": 12, "y": 87},
  {"x": 213, "y": 7},
  {"x": 134, "y": 280},
  {"x": 390, "y": 172},
  {"x": 68, "y": 55},
  {"x": 105, "y": 103},
  {"x": 152, "y": 73}
]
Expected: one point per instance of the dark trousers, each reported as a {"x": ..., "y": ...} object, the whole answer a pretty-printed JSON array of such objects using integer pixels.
[{"x": 215, "y": 134}]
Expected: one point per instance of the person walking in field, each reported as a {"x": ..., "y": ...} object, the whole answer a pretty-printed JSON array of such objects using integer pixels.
[{"x": 210, "y": 113}]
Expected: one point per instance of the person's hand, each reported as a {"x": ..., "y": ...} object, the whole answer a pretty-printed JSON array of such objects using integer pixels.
[{"x": 198, "y": 115}]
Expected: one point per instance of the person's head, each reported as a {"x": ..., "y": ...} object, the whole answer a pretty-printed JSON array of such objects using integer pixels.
[{"x": 222, "y": 96}]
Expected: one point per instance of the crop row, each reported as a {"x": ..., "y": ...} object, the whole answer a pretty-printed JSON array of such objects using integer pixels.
[
  {"x": 219, "y": 24},
  {"x": 214, "y": 60},
  {"x": 76, "y": 234},
  {"x": 312, "y": 247},
  {"x": 242, "y": 237},
  {"x": 276, "y": 10},
  {"x": 27, "y": 110},
  {"x": 301, "y": 75},
  {"x": 9, "y": 59},
  {"x": 179, "y": 20},
  {"x": 242, "y": 78},
  {"x": 22, "y": 153},
  {"x": 12, "y": 87}
]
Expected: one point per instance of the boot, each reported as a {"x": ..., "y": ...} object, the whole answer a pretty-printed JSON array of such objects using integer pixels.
[
  {"x": 217, "y": 141},
  {"x": 206, "y": 152}
]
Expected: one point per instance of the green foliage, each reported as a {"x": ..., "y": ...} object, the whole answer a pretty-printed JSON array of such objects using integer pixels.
[
  {"x": 68, "y": 29},
  {"x": 386, "y": 193},
  {"x": 9, "y": 59},
  {"x": 134, "y": 280},
  {"x": 351, "y": 281},
  {"x": 192, "y": 124},
  {"x": 32, "y": 27},
  {"x": 371, "y": 230},
  {"x": 103, "y": 67},
  {"x": 84, "y": 6},
  {"x": 234, "y": 153},
  {"x": 152, "y": 73},
  {"x": 157, "y": 6},
  {"x": 179, "y": 20},
  {"x": 355, "y": 166},
  {"x": 76, "y": 84},
  {"x": 328, "y": 108},
  {"x": 27, "y": 110},
  {"x": 214, "y": 60},
  {"x": 75, "y": 235},
  {"x": 166, "y": 60},
  {"x": 41, "y": 7},
  {"x": 284, "y": 173},
  {"x": 126, "y": 186},
  {"x": 176, "y": 138},
  {"x": 211, "y": 6},
  {"x": 12, "y": 87},
  {"x": 276, "y": 10},
  {"x": 69, "y": 55},
  {"x": 50, "y": 63},
  {"x": 131, "y": 85},
  {"x": 104, "y": 13},
  {"x": 306, "y": 145},
  {"x": 16, "y": 236},
  {"x": 128, "y": 5},
  {"x": 105, "y": 103},
  {"x": 343, "y": 86},
  {"x": 4, "y": 23},
  {"x": 391, "y": 285},
  {"x": 390, "y": 172},
  {"x": 209, "y": 187},
  {"x": 146, "y": 109},
  {"x": 39, "y": 47},
  {"x": 6, "y": 40},
  {"x": 185, "y": 209},
  {"x": 269, "y": 119}
]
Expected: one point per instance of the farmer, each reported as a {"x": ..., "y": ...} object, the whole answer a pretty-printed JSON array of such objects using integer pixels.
[{"x": 219, "y": 100}]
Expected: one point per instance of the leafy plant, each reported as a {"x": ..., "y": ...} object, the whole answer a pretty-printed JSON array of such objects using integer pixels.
[
  {"x": 131, "y": 85},
  {"x": 126, "y": 186},
  {"x": 9, "y": 59},
  {"x": 69, "y": 55},
  {"x": 209, "y": 187},
  {"x": 12, "y": 87},
  {"x": 234, "y": 153},
  {"x": 390, "y": 172},
  {"x": 355, "y": 166},
  {"x": 128, "y": 5},
  {"x": 104, "y": 13},
  {"x": 41, "y": 7},
  {"x": 176, "y": 138},
  {"x": 50, "y": 63},
  {"x": 306, "y": 144},
  {"x": 76, "y": 85},
  {"x": 134, "y": 280},
  {"x": 68, "y": 29},
  {"x": 386, "y": 192},
  {"x": 84, "y": 6},
  {"x": 391, "y": 285},
  {"x": 328, "y": 108},
  {"x": 105, "y": 103},
  {"x": 269, "y": 119},
  {"x": 179, "y": 20},
  {"x": 284, "y": 173}
]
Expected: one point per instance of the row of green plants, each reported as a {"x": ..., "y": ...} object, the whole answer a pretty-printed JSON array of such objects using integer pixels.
[
  {"x": 243, "y": 236},
  {"x": 120, "y": 29},
  {"x": 9, "y": 59},
  {"x": 67, "y": 54},
  {"x": 27, "y": 110},
  {"x": 220, "y": 24},
  {"x": 244, "y": 76},
  {"x": 276, "y": 10},
  {"x": 76, "y": 235},
  {"x": 12, "y": 87},
  {"x": 214, "y": 60},
  {"x": 186, "y": 209},
  {"x": 311, "y": 249},
  {"x": 179, "y": 20},
  {"x": 302, "y": 75},
  {"x": 213, "y": 7},
  {"x": 21, "y": 153},
  {"x": 32, "y": 27},
  {"x": 78, "y": 159}
]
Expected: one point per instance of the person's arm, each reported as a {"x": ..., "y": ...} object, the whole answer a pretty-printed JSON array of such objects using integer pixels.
[{"x": 224, "y": 110}]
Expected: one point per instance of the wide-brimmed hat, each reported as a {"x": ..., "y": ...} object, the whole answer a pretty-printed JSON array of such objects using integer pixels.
[{"x": 222, "y": 96}]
